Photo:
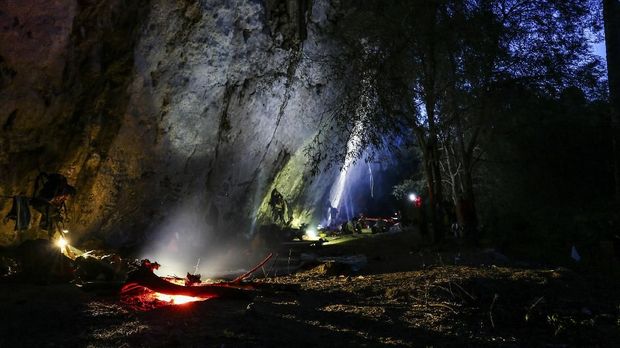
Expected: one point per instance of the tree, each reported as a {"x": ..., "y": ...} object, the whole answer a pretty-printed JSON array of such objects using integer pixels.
[
  {"x": 432, "y": 68},
  {"x": 611, "y": 14}
]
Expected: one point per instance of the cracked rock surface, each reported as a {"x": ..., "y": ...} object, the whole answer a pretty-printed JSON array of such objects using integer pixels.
[{"x": 147, "y": 105}]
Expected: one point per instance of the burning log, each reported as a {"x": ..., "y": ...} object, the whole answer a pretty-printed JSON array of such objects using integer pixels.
[
  {"x": 143, "y": 277},
  {"x": 146, "y": 278},
  {"x": 192, "y": 279}
]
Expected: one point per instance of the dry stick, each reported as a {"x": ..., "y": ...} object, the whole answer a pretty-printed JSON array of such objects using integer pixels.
[
  {"x": 443, "y": 306},
  {"x": 246, "y": 274},
  {"x": 444, "y": 289},
  {"x": 465, "y": 292},
  {"x": 275, "y": 260},
  {"x": 450, "y": 285},
  {"x": 536, "y": 302},
  {"x": 495, "y": 297},
  {"x": 527, "y": 315}
]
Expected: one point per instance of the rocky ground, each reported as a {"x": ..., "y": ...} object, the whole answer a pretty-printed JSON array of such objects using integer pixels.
[{"x": 404, "y": 296}]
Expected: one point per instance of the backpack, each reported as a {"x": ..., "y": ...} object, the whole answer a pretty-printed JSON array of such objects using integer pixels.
[{"x": 50, "y": 186}]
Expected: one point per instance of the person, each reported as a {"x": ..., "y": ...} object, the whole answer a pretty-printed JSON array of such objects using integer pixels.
[
  {"x": 457, "y": 230},
  {"x": 379, "y": 227},
  {"x": 278, "y": 206},
  {"x": 357, "y": 226},
  {"x": 51, "y": 191},
  {"x": 344, "y": 228}
]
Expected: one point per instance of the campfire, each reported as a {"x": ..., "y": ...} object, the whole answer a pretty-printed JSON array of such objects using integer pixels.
[
  {"x": 144, "y": 290},
  {"x": 142, "y": 298}
]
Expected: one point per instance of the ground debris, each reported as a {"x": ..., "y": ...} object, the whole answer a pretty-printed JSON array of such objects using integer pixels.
[{"x": 430, "y": 305}]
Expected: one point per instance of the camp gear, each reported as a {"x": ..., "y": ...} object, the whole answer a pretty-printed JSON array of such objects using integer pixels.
[{"x": 20, "y": 213}]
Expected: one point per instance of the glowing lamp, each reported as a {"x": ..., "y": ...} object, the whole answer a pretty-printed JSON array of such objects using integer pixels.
[
  {"x": 61, "y": 243},
  {"x": 311, "y": 234},
  {"x": 413, "y": 197},
  {"x": 418, "y": 202}
]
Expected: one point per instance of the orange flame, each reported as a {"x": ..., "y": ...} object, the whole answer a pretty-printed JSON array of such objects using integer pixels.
[
  {"x": 177, "y": 299},
  {"x": 141, "y": 298}
]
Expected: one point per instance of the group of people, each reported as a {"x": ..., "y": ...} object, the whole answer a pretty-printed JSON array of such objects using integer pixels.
[{"x": 354, "y": 225}]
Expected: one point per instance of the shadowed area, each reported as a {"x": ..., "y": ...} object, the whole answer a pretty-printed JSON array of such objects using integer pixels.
[{"x": 309, "y": 173}]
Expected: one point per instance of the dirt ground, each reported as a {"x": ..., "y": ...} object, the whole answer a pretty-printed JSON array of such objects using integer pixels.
[{"x": 405, "y": 296}]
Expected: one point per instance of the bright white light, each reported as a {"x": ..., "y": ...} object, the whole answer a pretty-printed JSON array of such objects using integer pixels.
[
  {"x": 353, "y": 146},
  {"x": 65, "y": 231},
  {"x": 61, "y": 243},
  {"x": 311, "y": 234},
  {"x": 177, "y": 299},
  {"x": 413, "y": 197}
]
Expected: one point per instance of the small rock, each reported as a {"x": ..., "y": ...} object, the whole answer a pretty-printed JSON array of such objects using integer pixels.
[
  {"x": 331, "y": 268},
  {"x": 250, "y": 309}
]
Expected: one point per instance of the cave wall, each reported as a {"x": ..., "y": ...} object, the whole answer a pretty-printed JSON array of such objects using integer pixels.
[{"x": 146, "y": 105}]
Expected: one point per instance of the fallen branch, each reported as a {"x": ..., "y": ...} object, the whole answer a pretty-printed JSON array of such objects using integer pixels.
[
  {"x": 442, "y": 305},
  {"x": 275, "y": 260},
  {"x": 529, "y": 311},
  {"x": 495, "y": 297},
  {"x": 464, "y": 291},
  {"x": 248, "y": 273},
  {"x": 146, "y": 278},
  {"x": 449, "y": 291}
]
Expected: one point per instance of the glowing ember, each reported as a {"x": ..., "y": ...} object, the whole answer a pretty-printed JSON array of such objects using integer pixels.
[
  {"x": 142, "y": 290},
  {"x": 141, "y": 298},
  {"x": 177, "y": 299}
]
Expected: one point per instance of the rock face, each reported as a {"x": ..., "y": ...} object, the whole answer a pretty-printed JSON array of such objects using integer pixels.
[{"x": 150, "y": 106}]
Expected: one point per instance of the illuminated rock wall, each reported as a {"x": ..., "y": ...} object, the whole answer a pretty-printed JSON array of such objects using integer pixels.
[{"x": 148, "y": 105}]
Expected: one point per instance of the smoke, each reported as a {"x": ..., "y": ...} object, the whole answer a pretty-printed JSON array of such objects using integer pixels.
[{"x": 187, "y": 236}]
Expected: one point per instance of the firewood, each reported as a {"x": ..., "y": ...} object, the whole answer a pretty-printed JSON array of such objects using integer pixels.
[{"x": 145, "y": 278}]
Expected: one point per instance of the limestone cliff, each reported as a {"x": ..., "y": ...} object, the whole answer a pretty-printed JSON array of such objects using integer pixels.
[{"x": 146, "y": 105}]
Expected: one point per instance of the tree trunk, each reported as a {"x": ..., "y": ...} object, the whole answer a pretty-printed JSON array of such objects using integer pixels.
[
  {"x": 430, "y": 97},
  {"x": 465, "y": 203},
  {"x": 466, "y": 207},
  {"x": 435, "y": 196},
  {"x": 434, "y": 173},
  {"x": 430, "y": 188},
  {"x": 431, "y": 165},
  {"x": 611, "y": 14}
]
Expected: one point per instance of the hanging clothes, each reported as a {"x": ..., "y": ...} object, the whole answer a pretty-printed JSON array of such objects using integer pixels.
[{"x": 20, "y": 213}]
